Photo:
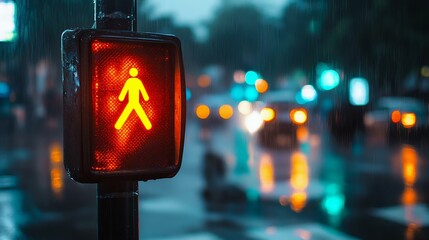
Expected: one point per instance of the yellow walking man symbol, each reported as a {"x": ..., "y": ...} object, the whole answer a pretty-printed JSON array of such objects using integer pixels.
[{"x": 133, "y": 86}]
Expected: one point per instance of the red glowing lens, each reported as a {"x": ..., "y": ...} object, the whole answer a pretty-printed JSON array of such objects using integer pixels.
[{"x": 132, "y": 101}]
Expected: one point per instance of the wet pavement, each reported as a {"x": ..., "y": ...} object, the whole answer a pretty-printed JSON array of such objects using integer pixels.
[{"x": 318, "y": 189}]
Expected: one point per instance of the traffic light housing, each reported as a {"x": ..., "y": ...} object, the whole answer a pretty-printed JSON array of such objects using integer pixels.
[{"x": 124, "y": 105}]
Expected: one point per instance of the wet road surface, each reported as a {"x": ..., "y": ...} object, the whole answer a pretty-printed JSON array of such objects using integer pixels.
[{"x": 318, "y": 189}]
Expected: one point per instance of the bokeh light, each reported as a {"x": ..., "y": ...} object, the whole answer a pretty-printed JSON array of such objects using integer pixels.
[
  {"x": 408, "y": 120},
  {"x": 396, "y": 116},
  {"x": 308, "y": 93},
  {"x": 7, "y": 26},
  {"x": 237, "y": 92},
  {"x": 239, "y": 76},
  {"x": 298, "y": 116},
  {"x": 359, "y": 91},
  {"x": 204, "y": 81},
  {"x": 251, "y": 94},
  {"x": 251, "y": 77},
  {"x": 425, "y": 71},
  {"x": 188, "y": 94},
  {"x": 226, "y": 111},
  {"x": 329, "y": 79},
  {"x": 202, "y": 111},
  {"x": 261, "y": 85},
  {"x": 268, "y": 114},
  {"x": 253, "y": 122},
  {"x": 245, "y": 107}
]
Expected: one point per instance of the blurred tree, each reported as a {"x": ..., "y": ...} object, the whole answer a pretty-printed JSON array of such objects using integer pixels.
[
  {"x": 381, "y": 39},
  {"x": 300, "y": 36},
  {"x": 165, "y": 24},
  {"x": 40, "y": 24},
  {"x": 240, "y": 38}
]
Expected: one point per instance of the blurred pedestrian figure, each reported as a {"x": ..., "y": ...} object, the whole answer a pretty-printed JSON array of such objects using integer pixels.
[
  {"x": 214, "y": 171},
  {"x": 217, "y": 189}
]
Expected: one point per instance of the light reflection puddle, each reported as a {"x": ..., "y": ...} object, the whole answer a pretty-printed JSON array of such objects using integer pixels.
[
  {"x": 194, "y": 236},
  {"x": 168, "y": 205},
  {"x": 408, "y": 214},
  {"x": 8, "y": 182},
  {"x": 304, "y": 231},
  {"x": 11, "y": 214}
]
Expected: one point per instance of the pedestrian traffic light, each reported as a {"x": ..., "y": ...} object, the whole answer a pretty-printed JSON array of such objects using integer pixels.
[{"x": 124, "y": 105}]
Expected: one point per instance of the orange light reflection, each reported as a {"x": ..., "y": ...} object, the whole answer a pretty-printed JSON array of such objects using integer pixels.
[
  {"x": 409, "y": 165},
  {"x": 299, "y": 172},
  {"x": 298, "y": 200},
  {"x": 409, "y": 196},
  {"x": 302, "y": 134},
  {"x": 299, "y": 181},
  {"x": 266, "y": 174},
  {"x": 56, "y": 166},
  {"x": 411, "y": 231}
]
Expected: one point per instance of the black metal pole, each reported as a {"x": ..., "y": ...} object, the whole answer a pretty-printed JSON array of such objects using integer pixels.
[
  {"x": 116, "y": 14},
  {"x": 118, "y": 202},
  {"x": 118, "y": 210}
]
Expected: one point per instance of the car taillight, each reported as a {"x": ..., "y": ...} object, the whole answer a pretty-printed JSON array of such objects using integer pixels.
[
  {"x": 298, "y": 116},
  {"x": 396, "y": 116}
]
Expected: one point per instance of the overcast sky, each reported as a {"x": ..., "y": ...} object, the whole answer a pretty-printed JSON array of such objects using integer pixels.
[{"x": 195, "y": 12}]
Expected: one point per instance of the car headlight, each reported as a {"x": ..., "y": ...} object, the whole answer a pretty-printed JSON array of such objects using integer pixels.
[
  {"x": 268, "y": 114},
  {"x": 253, "y": 122},
  {"x": 408, "y": 120}
]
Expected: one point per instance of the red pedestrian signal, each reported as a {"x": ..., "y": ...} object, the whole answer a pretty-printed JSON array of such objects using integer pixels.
[{"x": 124, "y": 105}]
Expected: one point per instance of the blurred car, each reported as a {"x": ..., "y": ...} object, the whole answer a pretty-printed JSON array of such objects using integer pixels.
[
  {"x": 282, "y": 117},
  {"x": 397, "y": 118},
  {"x": 344, "y": 120},
  {"x": 214, "y": 109}
]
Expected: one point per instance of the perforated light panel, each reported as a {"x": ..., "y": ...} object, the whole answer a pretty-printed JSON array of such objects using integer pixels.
[{"x": 132, "y": 101}]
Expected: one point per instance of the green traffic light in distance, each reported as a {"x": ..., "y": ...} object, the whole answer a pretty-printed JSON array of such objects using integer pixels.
[
  {"x": 329, "y": 79},
  {"x": 251, "y": 77},
  {"x": 359, "y": 92},
  {"x": 7, "y": 21}
]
